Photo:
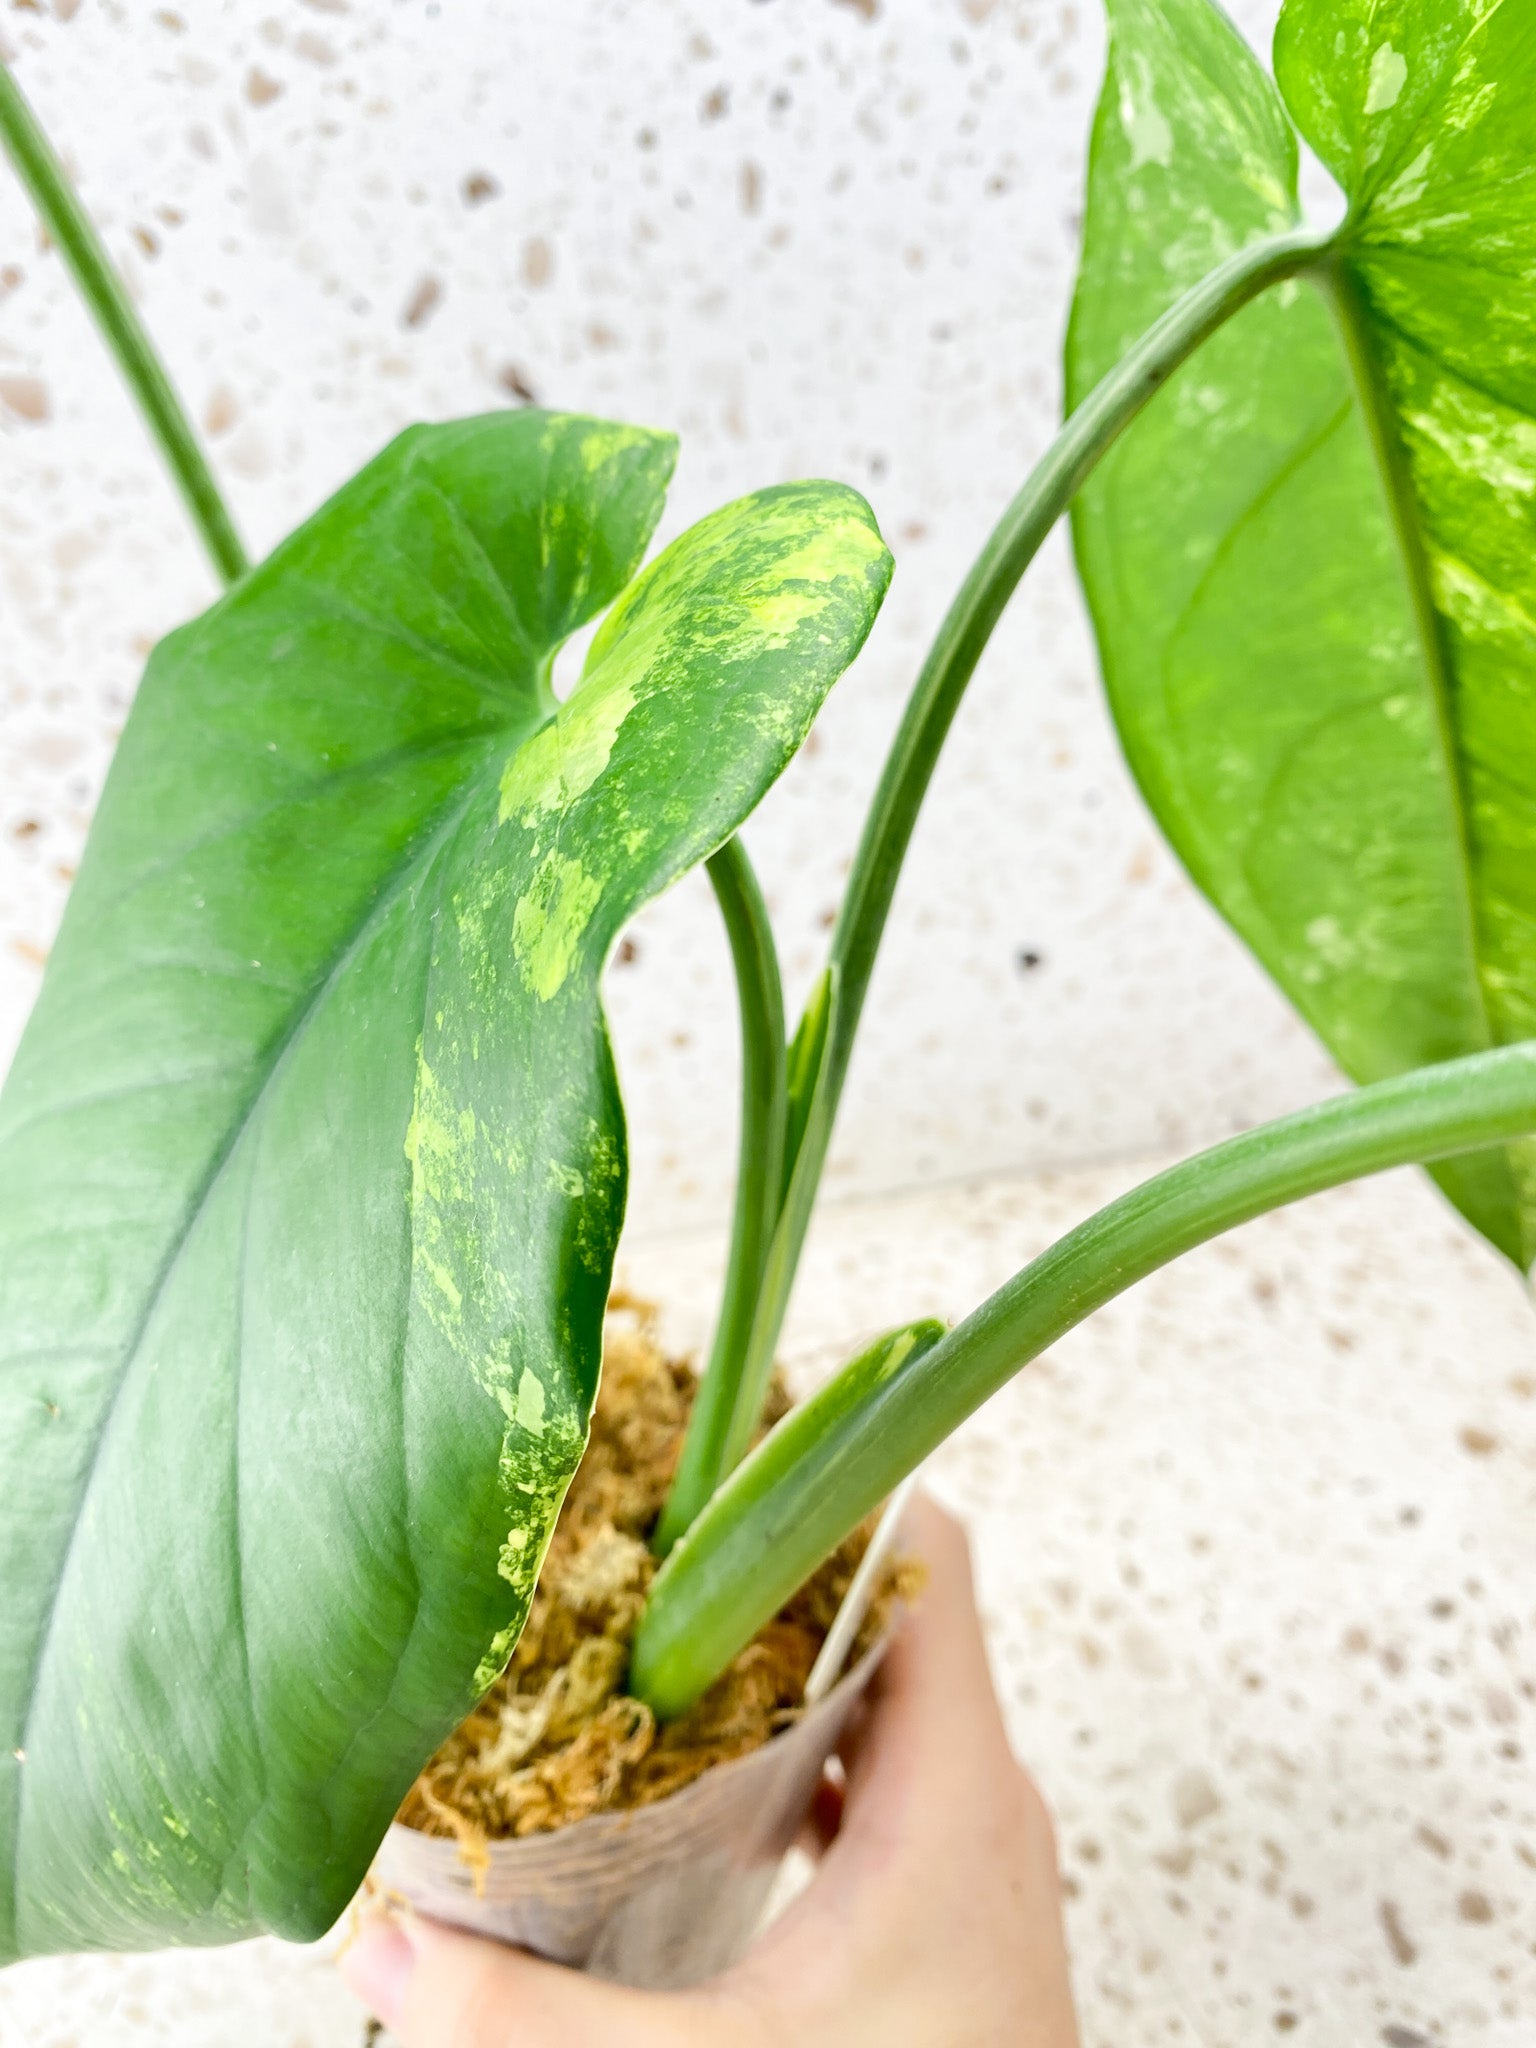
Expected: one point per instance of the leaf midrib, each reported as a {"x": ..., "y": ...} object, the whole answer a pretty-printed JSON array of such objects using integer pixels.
[
  {"x": 1341, "y": 291},
  {"x": 314, "y": 788},
  {"x": 420, "y": 851}
]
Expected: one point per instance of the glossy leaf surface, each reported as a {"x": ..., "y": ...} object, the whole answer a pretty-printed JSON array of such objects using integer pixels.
[
  {"x": 1310, "y": 563},
  {"x": 312, "y": 1158}
]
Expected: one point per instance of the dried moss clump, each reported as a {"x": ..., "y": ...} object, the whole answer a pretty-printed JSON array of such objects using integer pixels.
[{"x": 556, "y": 1738}]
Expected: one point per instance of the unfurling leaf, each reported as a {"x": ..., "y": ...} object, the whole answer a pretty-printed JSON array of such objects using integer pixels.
[
  {"x": 1312, "y": 563},
  {"x": 312, "y": 1158}
]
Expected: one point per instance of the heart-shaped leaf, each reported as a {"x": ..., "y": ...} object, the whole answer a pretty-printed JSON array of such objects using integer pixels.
[
  {"x": 1311, "y": 563},
  {"x": 312, "y": 1158}
]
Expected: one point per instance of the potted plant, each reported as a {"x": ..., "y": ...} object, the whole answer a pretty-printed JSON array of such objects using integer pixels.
[{"x": 311, "y": 1161}]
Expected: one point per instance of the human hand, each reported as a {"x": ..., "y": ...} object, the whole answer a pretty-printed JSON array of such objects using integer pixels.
[{"x": 933, "y": 1919}]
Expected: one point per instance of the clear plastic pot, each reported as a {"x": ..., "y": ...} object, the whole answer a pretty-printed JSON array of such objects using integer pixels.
[{"x": 658, "y": 1898}]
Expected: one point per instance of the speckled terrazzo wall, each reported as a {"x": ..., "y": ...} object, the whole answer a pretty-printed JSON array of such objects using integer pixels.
[{"x": 812, "y": 235}]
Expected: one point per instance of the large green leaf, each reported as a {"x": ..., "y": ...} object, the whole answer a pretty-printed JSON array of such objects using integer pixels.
[
  {"x": 312, "y": 1159},
  {"x": 1310, "y": 563}
]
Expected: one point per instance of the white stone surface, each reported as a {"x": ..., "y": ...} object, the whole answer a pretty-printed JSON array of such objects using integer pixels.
[
  {"x": 812, "y": 237},
  {"x": 1255, "y": 1550}
]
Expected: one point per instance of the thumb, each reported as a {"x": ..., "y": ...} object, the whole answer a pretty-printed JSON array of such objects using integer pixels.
[{"x": 434, "y": 1987}]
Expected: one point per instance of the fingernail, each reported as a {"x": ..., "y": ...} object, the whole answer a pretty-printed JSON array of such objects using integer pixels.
[{"x": 377, "y": 1966}]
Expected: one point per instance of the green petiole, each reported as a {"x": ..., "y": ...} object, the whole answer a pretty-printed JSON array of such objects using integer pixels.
[
  {"x": 841, "y": 1452},
  {"x": 759, "y": 1173},
  {"x": 70, "y": 226},
  {"x": 1085, "y": 437},
  {"x": 941, "y": 684}
]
